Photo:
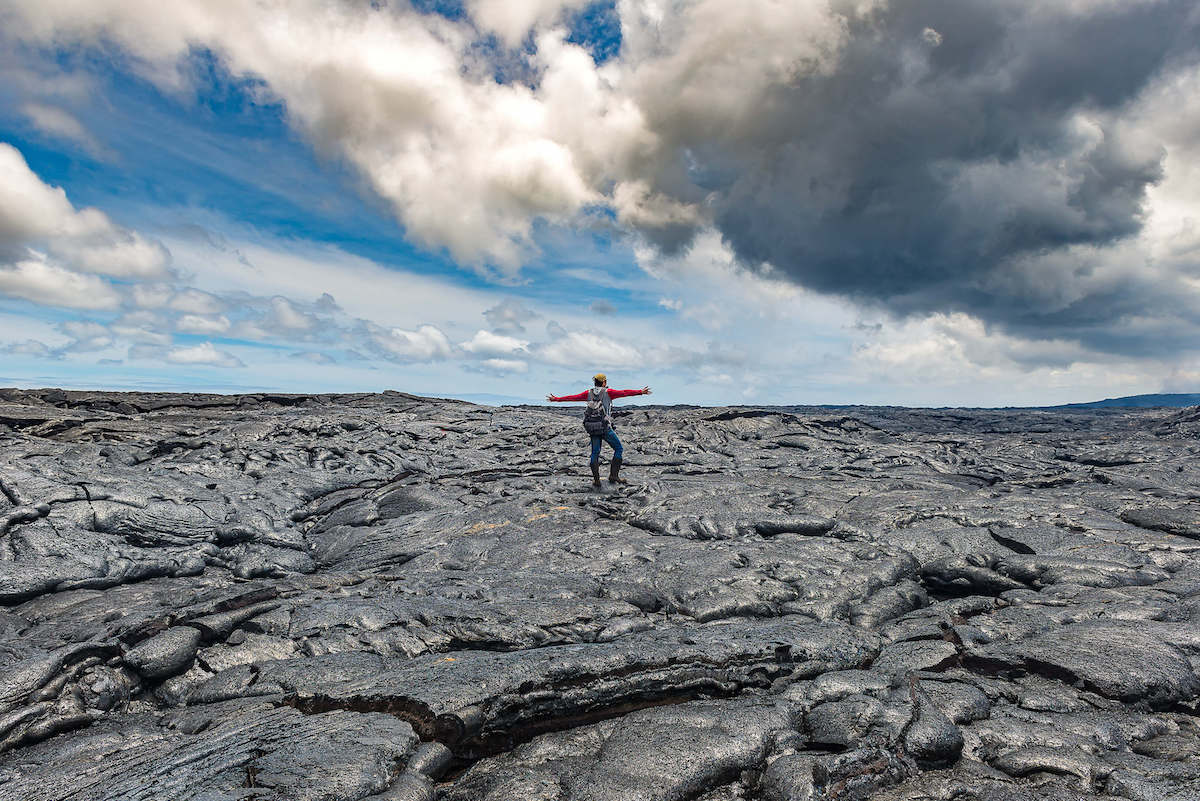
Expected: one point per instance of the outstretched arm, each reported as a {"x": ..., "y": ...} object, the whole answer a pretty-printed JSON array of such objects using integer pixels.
[
  {"x": 579, "y": 397},
  {"x": 626, "y": 393}
]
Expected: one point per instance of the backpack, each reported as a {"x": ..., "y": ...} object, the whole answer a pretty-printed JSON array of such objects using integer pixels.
[{"x": 595, "y": 417}]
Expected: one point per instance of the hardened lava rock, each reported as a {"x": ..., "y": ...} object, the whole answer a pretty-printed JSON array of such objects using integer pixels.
[{"x": 346, "y": 597}]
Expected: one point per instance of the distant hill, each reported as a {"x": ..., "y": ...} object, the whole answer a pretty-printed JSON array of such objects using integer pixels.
[{"x": 1176, "y": 400}]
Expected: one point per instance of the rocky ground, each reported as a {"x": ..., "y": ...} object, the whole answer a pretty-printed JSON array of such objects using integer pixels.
[{"x": 390, "y": 597}]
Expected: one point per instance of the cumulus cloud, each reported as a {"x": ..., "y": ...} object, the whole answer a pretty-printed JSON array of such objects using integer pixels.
[
  {"x": 466, "y": 162},
  {"x": 39, "y": 281},
  {"x": 192, "y": 301},
  {"x": 425, "y": 344},
  {"x": 202, "y": 324},
  {"x": 34, "y": 214},
  {"x": 286, "y": 316},
  {"x": 509, "y": 316},
  {"x": 501, "y": 366},
  {"x": 511, "y": 20},
  {"x": 203, "y": 354},
  {"x": 144, "y": 327},
  {"x": 486, "y": 343},
  {"x": 590, "y": 348},
  {"x": 86, "y": 335}
]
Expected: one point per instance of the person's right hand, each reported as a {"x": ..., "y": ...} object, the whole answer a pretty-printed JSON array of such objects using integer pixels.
[{"x": 551, "y": 398}]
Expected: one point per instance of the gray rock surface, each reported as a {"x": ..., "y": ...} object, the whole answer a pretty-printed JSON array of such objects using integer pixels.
[{"x": 391, "y": 597}]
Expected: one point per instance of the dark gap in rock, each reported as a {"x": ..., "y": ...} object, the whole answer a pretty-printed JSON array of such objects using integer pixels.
[
  {"x": 1012, "y": 545},
  {"x": 416, "y": 714},
  {"x": 489, "y": 744}
]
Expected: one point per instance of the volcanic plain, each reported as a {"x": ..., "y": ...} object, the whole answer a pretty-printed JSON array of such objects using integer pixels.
[{"x": 343, "y": 597}]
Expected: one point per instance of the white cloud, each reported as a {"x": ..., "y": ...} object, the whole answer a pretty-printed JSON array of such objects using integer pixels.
[
  {"x": 195, "y": 301},
  {"x": 504, "y": 366},
  {"x": 151, "y": 296},
  {"x": 511, "y": 20},
  {"x": 116, "y": 253},
  {"x": 584, "y": 348},
  {"x": 86, "y": 336},
  {"x": 142, "y": 327},
  {"x": 201, "y": 324},
  {"x": 34, "y": 214},
  {"x": 487, "y": 344},
  {"x": 509, "y": 316},
  {"x": 39, "y": 281},
  {"x": 427, "y": 343},
  {"x": 285, "y": 315},
  {"x": 61, "y": 124},
  {"x": 203, "y": 354}
]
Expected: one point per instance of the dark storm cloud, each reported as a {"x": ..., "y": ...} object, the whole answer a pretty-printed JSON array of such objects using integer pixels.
[{"x": 961, "y": 156}]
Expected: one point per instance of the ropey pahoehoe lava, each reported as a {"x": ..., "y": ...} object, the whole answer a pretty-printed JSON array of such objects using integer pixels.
[{"x": 344, "y": 597}]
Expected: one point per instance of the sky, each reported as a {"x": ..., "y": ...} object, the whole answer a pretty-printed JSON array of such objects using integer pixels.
[{"x": 922, "y": 203}]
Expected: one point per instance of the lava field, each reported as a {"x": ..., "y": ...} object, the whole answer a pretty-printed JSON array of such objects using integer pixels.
[{"x": 345, "y": 597}]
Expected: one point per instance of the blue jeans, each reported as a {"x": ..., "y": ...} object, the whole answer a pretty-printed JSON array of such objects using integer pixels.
[{"x": 610, "y": 437}]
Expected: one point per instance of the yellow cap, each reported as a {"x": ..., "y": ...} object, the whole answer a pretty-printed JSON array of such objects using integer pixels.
[{"x": 601, "y": 377}]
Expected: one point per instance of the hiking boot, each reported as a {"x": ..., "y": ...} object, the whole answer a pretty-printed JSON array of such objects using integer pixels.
[
  {"x": 596, "y": 475},
  {"x": 614, "y": 473}
]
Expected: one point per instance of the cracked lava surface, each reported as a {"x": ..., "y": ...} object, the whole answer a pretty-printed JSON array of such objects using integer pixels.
[{"x": 392, "y": 597}]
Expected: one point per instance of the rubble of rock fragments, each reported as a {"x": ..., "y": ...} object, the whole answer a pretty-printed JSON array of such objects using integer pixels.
[{"x": 353, "y": 597}]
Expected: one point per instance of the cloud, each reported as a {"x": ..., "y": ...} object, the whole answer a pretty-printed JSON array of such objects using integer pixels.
[
  {"x": 59, "y": 123},
  {"x": 39, "y": 281},
  {"x": 193, "y": 301},
  {"x": 33, "y": 214},
  {"x": 511, "y": 20},
  {"x": 312, "y": 357},
  {"x": 142, "y": 327},
  {"x": 1007, "y": 185},
  {"x": 31, "y": 347},
  {"x": 486, "y": 343},
  {"x": 286, "y": 316},
  {"x": 201, "y": 324},
  {"x": 915, "y": 158},
  {"x": 918, "y": 178},
  {"x": 509, "y": 316},
  {"x": 590, "y": 348},
  {"x": 466, "y": 162},
  {"x": 85, "y": 336},
  {"x": 501, "y": 366},
  {"x": 426, "y": 344},
  {"x": 602, "y": 307},
  {"x": 203, "y": 354}
]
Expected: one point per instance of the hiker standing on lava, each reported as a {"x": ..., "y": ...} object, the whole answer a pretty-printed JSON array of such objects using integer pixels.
[{"x": 597, "y": 421}]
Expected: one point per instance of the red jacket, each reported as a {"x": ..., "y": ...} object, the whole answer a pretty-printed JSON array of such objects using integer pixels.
[{"x": 612, "y": 393}]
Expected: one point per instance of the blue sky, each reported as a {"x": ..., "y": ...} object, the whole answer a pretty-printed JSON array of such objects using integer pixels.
[{"x": 495, "y": 200}]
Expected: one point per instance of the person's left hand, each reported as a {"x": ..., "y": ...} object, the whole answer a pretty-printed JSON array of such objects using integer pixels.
[{"x": 645, "y": 390}]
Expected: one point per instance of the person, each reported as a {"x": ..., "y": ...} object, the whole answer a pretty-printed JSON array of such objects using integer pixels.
[{"x": 597, "y": 420}]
